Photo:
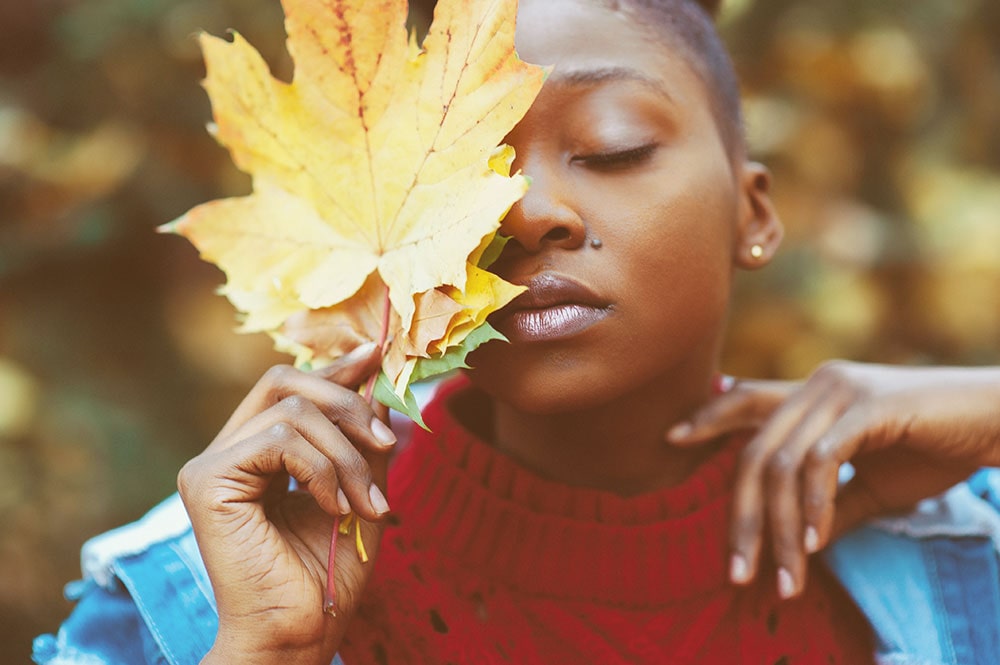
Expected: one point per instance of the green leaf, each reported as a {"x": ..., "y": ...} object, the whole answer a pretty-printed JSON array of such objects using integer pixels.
[
  {"x": 492, "y": 251},
  {"x": 430, "y": 368},
  {"x": 454, "y": 358},
  {"x": 385, "y": 394}
]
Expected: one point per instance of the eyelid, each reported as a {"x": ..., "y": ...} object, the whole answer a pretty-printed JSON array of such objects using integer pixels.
[{"x": 617, "y": 157}]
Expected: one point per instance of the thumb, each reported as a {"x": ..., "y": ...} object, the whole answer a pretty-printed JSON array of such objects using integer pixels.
[
  {"x": 893, "y": 480},
  {"x": 353, "y": 368},
  {"x": 856, "y": 503}
]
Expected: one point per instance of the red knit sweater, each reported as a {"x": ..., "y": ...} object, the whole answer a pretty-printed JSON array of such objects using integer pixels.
[{"x": 485, "y": 562}]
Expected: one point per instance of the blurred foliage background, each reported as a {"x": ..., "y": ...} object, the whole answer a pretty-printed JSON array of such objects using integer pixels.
[{"x": 880, "y": 119}]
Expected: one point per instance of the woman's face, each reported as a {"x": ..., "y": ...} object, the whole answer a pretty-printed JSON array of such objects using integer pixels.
[{"x": 626, "y": 237}]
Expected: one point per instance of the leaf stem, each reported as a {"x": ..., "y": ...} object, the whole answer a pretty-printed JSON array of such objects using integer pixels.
[
  {"x": 330, "y": 599},
  {"x": 386, "y": 315}
]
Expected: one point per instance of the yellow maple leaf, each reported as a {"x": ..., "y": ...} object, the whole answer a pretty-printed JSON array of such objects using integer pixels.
[{"x": 376, "y": 173}]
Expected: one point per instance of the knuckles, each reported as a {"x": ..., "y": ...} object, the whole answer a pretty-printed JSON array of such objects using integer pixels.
[
  {"x": 752, "y": 458},
  {"x": 281, "y": 431},
  {"x": 191, "y": 479},
  {"x": 297, "y": 405},
  {"x": 351, "y": 406},
  {"x": 844, "y": 378},
  {"x": 819, "y": 455},
  {"x": 281, "y": 383},
  {"x": 782, "y": 466},
  {"x": 279, "y": 375},
  {"x": 834, "y": 371},
  {"x": 355, "y": 468}
]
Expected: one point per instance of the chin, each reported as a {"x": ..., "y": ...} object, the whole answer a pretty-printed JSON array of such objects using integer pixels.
[
  {"x": 541, "y": 400},
  {"x": 545, "y": 383}
]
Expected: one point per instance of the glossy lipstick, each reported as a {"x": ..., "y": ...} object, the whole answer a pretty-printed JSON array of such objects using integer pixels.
[{"x": 554, "y": 307}]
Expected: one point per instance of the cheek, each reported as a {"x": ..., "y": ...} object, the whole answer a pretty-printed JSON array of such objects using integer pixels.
[
  {"x": 677, "y": 241},
  {"x": 675, "y": 256}
]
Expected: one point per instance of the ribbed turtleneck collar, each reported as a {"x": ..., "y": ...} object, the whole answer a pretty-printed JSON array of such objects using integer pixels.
[{"x": 543, "y": 537}]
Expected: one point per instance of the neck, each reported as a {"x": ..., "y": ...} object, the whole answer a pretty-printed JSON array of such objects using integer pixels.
[{"x": 617, "y": 446}]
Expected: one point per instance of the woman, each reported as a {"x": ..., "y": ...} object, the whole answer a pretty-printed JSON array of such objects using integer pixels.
[{"x": 546, "y": 519}]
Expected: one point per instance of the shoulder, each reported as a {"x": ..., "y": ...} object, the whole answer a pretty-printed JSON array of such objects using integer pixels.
[
  {"x": 927, "y": 579},
  {"x": 144, "y": 597}
]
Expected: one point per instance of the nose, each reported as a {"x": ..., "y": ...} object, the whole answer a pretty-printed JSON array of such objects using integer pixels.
[{"x": 545, "y": 217}]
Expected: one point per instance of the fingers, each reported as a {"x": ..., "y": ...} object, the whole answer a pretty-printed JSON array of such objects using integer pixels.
[
  {"x": 295, "y": 408},
  {"x": 313, "y": 451},
  {"x": 759, "y": 468},
  {"x": 821, "y": 475},
  {"x": 352, "y": 369},
  {"x": 746, "y": 405},
  {"x": 794, "y": 537},
  {"x": 343, "y": 407},
  {"x": 228, "y": 480},
  {"x": 769, "y": 488},
  {"x": 330, "y": 384},
  {"x": 354, "y": 480},
  {"x": 881, "y": 419},
  {"x": 382, "y": 413}
]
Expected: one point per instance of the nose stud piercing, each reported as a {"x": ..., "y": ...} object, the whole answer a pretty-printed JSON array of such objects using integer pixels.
[
  {"x": 757, "y": 251},
  {"x": 596, "y": 243}
]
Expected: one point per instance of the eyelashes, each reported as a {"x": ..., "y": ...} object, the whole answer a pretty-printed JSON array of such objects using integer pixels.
[{"x": 617, "y": 160}]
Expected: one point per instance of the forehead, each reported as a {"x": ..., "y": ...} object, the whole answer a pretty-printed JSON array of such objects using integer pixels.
[{"x": 585, "y": 42}]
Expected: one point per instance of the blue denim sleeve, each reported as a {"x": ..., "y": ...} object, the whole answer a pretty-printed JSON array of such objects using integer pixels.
[
  {"x": 146, "y": 598},
  {"x": 105, "y": 627},
  {"x": 156, "y": 609},
  {"x": 929, "y": 581},
  {"x": 985, "y": 483}
]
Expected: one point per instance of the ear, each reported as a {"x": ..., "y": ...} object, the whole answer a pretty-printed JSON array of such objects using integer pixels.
[{"x": 759, "y": 231}]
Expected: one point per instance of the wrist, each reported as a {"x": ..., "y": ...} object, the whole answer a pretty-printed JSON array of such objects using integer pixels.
[
  {"x": 219, "y": 655},
  {"x": 232, "y": 648}
]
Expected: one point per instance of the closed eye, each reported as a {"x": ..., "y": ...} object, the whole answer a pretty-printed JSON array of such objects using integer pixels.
[{"x": 617, "y": 160}]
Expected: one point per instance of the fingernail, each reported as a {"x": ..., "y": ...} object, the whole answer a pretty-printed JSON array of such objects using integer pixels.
[
  {"x": 680, "y": 431},
  {"x": 723, "y": 383},
  {"x": 342, "y": 502},
  {"x": 786, "y": 585},
  {"x": 360, "y": 351},
  {"x": 382, "y": 433},
  {"x": 739, "y": 571},
  {"x": 379, "y": 504},
  {"x": 811, "y": 540}
]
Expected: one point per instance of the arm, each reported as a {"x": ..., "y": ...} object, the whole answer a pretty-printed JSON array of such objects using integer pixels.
[{"x": 909, "y": 432}]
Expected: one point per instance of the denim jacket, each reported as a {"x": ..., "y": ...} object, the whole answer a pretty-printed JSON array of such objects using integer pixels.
[{"x": 928, "y": 582}]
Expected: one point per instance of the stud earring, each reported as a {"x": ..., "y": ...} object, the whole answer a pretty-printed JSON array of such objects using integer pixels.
[
  {"x": 757, "y": 251},
  {"x": 596, "y": 243}
]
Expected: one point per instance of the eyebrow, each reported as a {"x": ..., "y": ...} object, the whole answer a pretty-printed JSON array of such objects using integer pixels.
[{"x": 599, "y": 75}]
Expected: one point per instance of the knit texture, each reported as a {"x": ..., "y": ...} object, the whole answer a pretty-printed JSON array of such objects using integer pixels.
[{"x": 485, "y": 562}]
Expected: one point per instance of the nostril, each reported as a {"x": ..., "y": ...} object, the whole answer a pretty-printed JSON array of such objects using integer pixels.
[{"x": 557, "y": 234}]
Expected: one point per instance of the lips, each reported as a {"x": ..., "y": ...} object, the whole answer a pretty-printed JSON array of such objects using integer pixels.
[{"x": 554, "y": 307}]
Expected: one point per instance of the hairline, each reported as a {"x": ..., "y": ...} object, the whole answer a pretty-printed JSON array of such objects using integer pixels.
[
  {"x": 600, "y": 75},
  {"x": 698, "y": 52}
]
